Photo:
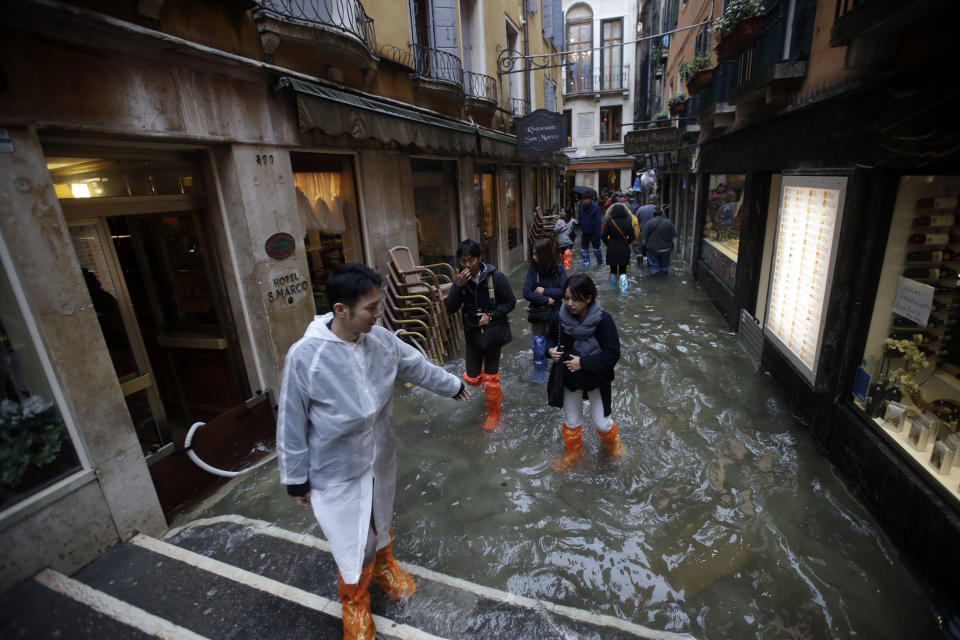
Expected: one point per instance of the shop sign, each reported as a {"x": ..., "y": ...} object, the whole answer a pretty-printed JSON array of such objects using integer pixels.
[
  {"x": 288, "y": 288},
  {"x": 913, "y": 300},
  {"x": 280, "y": 245},
  {"x": 541, "y": 132},
  {"x": 659, "y": 140}
]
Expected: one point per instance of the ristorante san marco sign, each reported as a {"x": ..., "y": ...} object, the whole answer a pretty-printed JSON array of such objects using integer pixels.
[{"x": 541, "y": 132}]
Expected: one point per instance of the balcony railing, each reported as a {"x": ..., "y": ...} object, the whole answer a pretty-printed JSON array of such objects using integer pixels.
[
  {"x": 437, "y": 65},
  {"x": 347, "y": 16},
  {"x": 786, "y": 36},
  {"x": 479, "y": 86},
  {"x": 516, "y": 107},
  {"x": 610, "y": 80}
]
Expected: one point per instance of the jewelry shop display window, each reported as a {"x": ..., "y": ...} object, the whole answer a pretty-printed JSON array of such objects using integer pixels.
[
  {"x": 908, "y": 383},
  {"x": 720, "y": 246}
]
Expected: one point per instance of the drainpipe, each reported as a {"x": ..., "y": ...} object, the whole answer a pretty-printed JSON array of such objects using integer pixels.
[{"x": 526, "y": 53}]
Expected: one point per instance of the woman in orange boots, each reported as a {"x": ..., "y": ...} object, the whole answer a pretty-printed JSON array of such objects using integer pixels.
[
  {"x": 584, "y": 339},
  {"x": 486, "y": 298}
]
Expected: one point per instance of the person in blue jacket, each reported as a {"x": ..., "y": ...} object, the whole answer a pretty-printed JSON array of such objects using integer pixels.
[
  {"x": 544, "y": 289},
  {"x": 583, "y": 339},
  {"x": 590, "y": 220}
]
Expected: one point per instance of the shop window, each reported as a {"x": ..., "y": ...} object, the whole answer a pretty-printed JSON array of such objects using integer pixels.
[
  {"x": 484, "y": 186},
  {"x": 512, "y": 201},
  {"x": 909, "y": 381},
  {"x": 35, "y": 446},
  {"x": 327, "y": 202},
  {"x": 721, "y": 229},
  {"x": 113, "y": 178},
  {"x": 435, "y": 204},
  {"x": 610, "y": 124}
]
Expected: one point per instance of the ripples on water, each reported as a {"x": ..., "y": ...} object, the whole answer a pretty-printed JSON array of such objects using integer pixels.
[{"x": 723, "y": 521}]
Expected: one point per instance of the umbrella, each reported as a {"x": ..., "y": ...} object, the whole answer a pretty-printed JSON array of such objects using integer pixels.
[{"x": 586, "y": 192}]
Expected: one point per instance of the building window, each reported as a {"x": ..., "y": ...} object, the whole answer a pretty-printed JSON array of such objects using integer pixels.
[
  {"x": 36, "y": 447},
  {"x": 611, "y": 59},
  {"x": 568, "y": 120},
  {"x": 908, "y": 383},
  {"x": 721, "y": 229},
  {"x": 610, "y": 124},
  {"x": 579, "y": 61}
]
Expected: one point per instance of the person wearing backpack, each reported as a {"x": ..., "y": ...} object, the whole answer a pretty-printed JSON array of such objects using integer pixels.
[
  {"x": 484, "y": 295},
  {"x": 618, "y": 235},
  {"x": 657, "y": 235}
]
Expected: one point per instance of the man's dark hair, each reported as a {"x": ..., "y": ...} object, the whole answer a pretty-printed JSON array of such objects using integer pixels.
[
  {"x": 469, "y": 248},
  {"x": 581, "y": 287},
  {"x": 349, "y": 282}
]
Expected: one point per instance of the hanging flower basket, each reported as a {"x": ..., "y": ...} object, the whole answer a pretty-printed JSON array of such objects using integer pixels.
[
  {"x": 699, "y": 80},
  {"x": 677, "y": 108},
  {"x": 740, "y": 37}
]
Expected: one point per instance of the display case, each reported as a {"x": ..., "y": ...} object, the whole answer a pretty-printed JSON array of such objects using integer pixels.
[{"x": 912, "y": 354}]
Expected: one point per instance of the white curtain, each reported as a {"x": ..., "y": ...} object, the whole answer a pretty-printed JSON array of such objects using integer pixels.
[{"x": 320, "y": 201}]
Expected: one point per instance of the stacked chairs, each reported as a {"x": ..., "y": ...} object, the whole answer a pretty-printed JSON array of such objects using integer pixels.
[
  {"x": 416, "y": 292},
  {"x": 544, "y": 226}
]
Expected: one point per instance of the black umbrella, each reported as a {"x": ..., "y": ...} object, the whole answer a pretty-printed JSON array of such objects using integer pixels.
[{"x": 585, "y": 192}]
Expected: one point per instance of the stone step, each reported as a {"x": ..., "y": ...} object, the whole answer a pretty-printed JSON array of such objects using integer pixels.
[
  {"x": 443, "y": 606},
  {"x": 233, "y": 577}
]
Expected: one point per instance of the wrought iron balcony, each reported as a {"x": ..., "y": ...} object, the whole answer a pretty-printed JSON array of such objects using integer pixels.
[
  {"x": 882, "y": 20},
  {"x": 516, "y": 107},
  {"x": 436, "y": 65},
  {"x": 478, "y": 86},
  {"x": 345, "y": 16},
  {"x": 780, "y": 54},
  {"x": 608, "y": 80}
]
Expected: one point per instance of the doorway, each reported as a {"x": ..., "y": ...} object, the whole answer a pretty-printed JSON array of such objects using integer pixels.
[
  {"x": 485, "y": 189},
  {"x": 153, "y": 280}
]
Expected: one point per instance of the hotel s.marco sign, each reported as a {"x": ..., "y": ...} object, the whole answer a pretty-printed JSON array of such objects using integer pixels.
[{"x": 808, "y": 225}]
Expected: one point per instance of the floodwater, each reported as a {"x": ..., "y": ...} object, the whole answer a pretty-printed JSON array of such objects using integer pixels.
[{"x": 724, "y": 520}]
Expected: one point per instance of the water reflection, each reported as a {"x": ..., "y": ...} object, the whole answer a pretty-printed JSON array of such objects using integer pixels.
[{"x": 724, "y": 520}]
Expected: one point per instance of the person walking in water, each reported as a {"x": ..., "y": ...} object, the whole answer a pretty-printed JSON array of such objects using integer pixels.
[
  {"x": 583, "y": 338},
  {"x": 544, "y": 289},
  {"x": 590, "y": 220},
  {"x": 335, "y": 441},
  {"x": 564, "y": 227},
  {"x": 486, "y": 298},
  {"x": 618, "y": 235},
  {"x": 657, "y": 235}
]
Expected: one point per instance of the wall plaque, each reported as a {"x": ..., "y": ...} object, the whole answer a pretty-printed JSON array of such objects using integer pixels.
[{"x": 280, "y": 245}]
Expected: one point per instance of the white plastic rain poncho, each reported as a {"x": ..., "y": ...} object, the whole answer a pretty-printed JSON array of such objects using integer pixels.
[{"x": 334, "y": 429}]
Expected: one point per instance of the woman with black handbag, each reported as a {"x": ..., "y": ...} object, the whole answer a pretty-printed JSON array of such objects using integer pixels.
[
  {"x": 485, "y": 295},
  {"x": 584, "y": 342},
  {"x": 544, "y": 289}
]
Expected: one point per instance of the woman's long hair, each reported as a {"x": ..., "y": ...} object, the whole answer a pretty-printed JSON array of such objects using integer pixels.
[{"x": 544, "y": 256}]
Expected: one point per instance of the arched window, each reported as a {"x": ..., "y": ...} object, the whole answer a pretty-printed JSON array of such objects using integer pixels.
[{"x": 579, "y": 44}]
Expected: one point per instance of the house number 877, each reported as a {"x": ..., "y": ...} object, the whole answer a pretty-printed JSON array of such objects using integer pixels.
[{"x": 263, "y": 158}]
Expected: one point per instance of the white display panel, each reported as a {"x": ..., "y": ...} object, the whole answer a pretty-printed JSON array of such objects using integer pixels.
[{"x": 808, "y": 225}]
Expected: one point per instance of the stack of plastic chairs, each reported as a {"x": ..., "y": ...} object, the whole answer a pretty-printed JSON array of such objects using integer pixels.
[
  {"x": 543, "y": 226},
  {"x": 413, "y": 301}
]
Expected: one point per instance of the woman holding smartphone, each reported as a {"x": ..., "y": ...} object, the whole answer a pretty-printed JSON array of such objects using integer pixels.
[
  {"x": 584, "y": 339},
  {"x": 485, "y": 297}
]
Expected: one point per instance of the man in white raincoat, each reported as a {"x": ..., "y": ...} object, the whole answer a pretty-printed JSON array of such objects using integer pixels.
[{"x": 335, "y": 440}]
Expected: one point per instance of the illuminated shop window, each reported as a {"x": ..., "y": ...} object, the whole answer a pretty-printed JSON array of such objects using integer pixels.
[
  {"x": 721, "y": 229},
  {"x": 909, "y": 380}
]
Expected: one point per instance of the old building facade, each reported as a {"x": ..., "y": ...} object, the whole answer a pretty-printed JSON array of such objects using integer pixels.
[{"x": 177, "y": 188}]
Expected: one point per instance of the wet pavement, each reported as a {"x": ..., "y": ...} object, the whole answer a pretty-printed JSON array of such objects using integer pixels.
[{"x": 723, "y": 521}]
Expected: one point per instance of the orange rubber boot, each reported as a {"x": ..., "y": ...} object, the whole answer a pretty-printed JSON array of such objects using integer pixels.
[
  {"x": 568, "y": 259},
  {"x": 395, "y": 582},
  {"x": 355, "y": 600},
  {"x": 473, "y": 382},
  {"x": 573, "y": 438},
  {"x": 494, "y": 395},
  {"x": 612, "y": 440}
]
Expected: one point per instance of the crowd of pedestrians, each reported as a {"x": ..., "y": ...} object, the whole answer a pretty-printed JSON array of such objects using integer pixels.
[{"x": 335, "y": 441}]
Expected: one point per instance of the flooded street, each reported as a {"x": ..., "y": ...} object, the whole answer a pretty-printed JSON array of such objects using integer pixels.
[{"x": 724, "y": 520}]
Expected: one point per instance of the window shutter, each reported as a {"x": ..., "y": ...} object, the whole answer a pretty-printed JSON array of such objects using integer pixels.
[
  {"x": 558, "y": 24},
  {"x": 445, "y": 26},
  {"x": 547, "y": 17},
  {"x": 549, "y": 95}
]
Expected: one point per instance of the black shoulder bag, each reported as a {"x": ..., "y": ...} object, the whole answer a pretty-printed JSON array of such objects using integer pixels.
[{"x": 555, "y": 381}]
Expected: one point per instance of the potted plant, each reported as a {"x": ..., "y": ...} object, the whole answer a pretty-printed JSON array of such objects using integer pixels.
[
  {"x": 662, "y": 118},
  {"x": 677, "y": 104},
  {"x": 739, "y": 26},
  {"x": 699, "y": 72}
]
